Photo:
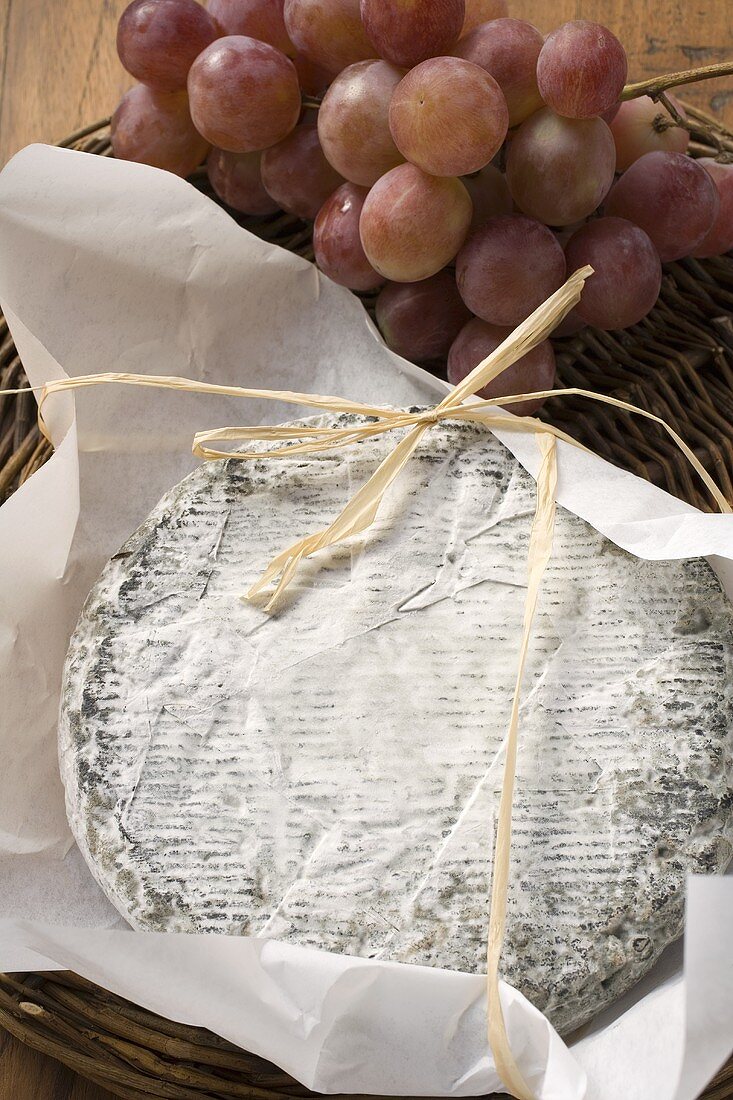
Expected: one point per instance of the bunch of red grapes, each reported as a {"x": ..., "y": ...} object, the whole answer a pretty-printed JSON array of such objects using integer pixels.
[{"x": 452, "y": 158}]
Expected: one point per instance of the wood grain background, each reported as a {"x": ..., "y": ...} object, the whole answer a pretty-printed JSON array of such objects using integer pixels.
[{"x": 59, "y": 71}]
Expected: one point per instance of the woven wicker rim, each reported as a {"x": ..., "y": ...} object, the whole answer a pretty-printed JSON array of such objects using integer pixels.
[{"x": 677, "y": 363}]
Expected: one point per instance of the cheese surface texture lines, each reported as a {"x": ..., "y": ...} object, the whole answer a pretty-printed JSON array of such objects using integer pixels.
[{"x": 329, "y": 774}]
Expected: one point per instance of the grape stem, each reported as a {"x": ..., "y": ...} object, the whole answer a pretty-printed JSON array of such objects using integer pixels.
[
  {"x": 701, "y": 116},
  {"x": 694, "y": 128},
  {"x": 656, "y": 88},
  {"x": 657, "y": 85}
]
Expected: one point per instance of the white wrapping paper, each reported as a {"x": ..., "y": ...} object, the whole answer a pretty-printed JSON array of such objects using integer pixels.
[{"x": 107, "y": 266}]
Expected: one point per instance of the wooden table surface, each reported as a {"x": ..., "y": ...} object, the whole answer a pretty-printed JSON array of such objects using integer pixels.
[{"x": 59, "y": 71}]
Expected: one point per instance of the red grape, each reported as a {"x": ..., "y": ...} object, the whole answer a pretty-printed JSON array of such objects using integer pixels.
[
  {"x": 420, "y": 321},
  {"x": 581, "y": 69},
  {"x": 156, "y": 128},
  {"x": 448, "y": 116},
  {"x": 261, "y": 19},
  {"x": 481, "y": 11},
  {"x": 564, "y": 234},
  {"x": 719, "y": 238},
  {"x": 508, "y": 49},
  {"x": 313, "y": 79},
  {"x": 407, "y": 32},
  {"x": 159, "y": 40},
  {"x": 571, "y": 323},
  {"x": 413, "y": 224},
  {"x": 329, "y": 32},
  {"x": 508, "y": 268},
  {"x": 353, "y": 121},
  {"x": 237, "y": 180},
  {"x": 490, "y": 195},
  {"x": 642, "y": 126},
  {"x": 244, "y": 94},
  {"x": 559, "y": 169},
  {"x": 628, "y": 272},
  {"x": 296, "y": 173},
  {"x": 336, "y": 242},
  {"x": 670, "y": 197},
  {"x": 534, "y": 371}
]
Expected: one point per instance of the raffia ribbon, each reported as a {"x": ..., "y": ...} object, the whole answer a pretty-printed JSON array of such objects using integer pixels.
[{"x": 360, "y": 512}]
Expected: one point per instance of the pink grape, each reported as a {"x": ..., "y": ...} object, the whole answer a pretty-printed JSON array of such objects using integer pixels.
[
  {"x": 353, "y": 121},
  {"x": 560, "y": 169},
  {"x": 336, "y": 242},
  {"x": 296, "y": 173},
  {"x": 448, "y": 116},
  {"x": 420, "y": 321},
  {"x": 671, "y": 198},
  {"x": 643, "y": 126},
  {"x": 719, "y": 238},
  {"x": 260, "y": 19},
  {"x": 237, "y": 180},
  {"x": 159, "y": 40},
  {"x": 508, "y": 49},
  {"x": 490, "y": 195},
  {"x": 581, "y": 70},
  {"x": 628, "y": 272},
  {"x": 407, "y": 32},
  {"x": 534, "y": 371},
  {"x": 155, "y": 128},
  {"x": 329, "y": 32},
  {"x": 244, "y": 94},
  {"x": 482, "y": 11},
  {"x": 413, "y": 224},
  {"x": 313, "y": 79},
  {"x": 508, "y": 268}
]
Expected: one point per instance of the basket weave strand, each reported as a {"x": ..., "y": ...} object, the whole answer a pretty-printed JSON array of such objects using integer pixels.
[{"x": 677, "y": 363}]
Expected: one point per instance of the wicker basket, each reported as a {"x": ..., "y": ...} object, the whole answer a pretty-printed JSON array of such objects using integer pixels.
[{"x": 678, "y": 363}]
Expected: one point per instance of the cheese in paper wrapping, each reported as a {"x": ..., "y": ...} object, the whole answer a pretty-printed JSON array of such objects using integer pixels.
[
  {"x": 141, "y": 309},
  {"x": 329, "y": 775}
]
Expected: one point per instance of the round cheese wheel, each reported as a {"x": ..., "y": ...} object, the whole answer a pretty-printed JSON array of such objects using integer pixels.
[{"x": 328, "y": 774}]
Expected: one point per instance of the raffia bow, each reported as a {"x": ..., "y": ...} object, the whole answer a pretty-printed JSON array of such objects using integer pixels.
[{"x": 360, "y": 512}]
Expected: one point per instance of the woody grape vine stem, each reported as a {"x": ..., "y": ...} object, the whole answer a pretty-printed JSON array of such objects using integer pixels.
[{"x": 657, "y": 85}]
